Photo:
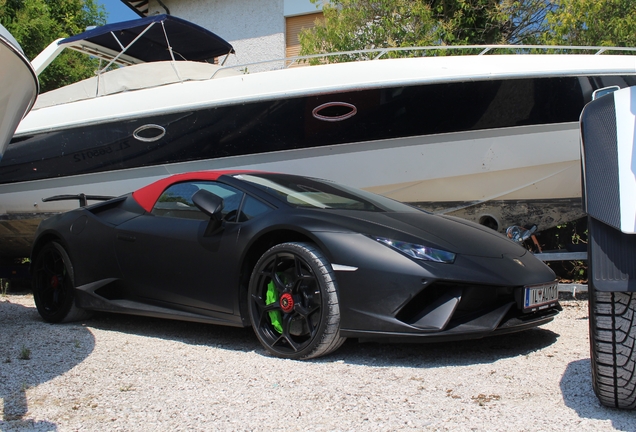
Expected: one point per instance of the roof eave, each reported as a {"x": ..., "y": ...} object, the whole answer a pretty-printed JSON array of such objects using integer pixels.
[{"x": 140, "y": 7}]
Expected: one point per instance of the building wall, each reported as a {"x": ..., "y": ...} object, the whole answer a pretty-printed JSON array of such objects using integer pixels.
[{"x": 256, "y": 28}]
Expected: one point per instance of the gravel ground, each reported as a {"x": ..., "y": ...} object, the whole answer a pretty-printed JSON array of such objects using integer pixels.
[{"x": 124, "y": 373}]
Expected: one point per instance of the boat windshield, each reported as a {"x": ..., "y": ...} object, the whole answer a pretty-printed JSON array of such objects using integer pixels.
[{"x": 322, "y": 194}]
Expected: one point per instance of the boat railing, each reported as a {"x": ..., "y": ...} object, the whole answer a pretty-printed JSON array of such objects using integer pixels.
[{"x": 429, "y": 51}]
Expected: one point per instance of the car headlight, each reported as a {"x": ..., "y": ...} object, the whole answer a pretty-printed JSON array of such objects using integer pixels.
[{"x": 420, "y": 252}]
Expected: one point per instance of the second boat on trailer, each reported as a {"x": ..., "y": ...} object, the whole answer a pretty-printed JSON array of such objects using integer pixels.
[
  {"x": 490, "y": 137},
  {"x": 18, "y": 86}
]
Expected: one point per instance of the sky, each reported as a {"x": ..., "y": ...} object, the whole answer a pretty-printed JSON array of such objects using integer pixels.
[{"x": 117, "y": 11}]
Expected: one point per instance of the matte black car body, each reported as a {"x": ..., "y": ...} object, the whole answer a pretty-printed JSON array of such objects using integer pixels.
[{"x": 123, "y": 258}]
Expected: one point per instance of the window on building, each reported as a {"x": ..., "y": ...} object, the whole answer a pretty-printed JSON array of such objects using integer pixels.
[{"x": 293, "y": 27}]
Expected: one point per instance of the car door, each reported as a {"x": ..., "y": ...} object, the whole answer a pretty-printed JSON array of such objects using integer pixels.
[{"x": 166, "y": 258}]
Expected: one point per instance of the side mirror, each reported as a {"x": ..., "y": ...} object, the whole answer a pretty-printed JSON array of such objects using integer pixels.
[
  {"x": 208, "y": 203},
  {"x": 211, "y": 205}
]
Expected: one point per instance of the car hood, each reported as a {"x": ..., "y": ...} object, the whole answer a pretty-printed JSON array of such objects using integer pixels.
[{"x": 444, "y": 232}]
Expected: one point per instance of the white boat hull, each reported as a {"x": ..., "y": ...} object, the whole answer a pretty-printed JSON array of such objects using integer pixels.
[{"x": 490, "y": 171}]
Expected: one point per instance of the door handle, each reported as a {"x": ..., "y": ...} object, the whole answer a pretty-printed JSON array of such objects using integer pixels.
[{"x": 125, "y": 237}]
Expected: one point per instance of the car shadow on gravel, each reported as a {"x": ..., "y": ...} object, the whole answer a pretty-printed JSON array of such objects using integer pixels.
[
  {"x": 442, "y": 354},
  {"x": 218, "y": 336},
  {"x": 435, "y": 354},
  {"x": 33, "y": 352},
  {"x": 576, "y": 387}
]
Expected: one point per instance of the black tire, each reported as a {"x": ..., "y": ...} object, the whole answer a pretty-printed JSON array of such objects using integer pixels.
[
  {"x": 613, "y": 347},
  {"x": 300, "y": 319},
  {"x": 54, "y": 287}
]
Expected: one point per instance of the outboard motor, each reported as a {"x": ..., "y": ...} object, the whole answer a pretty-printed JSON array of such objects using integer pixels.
[{"x": 608, "y": 154}]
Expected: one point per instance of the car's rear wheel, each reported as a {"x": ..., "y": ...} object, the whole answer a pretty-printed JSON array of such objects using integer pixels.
[
  {"x": 53, "y": 285},
  {"x": 293, "y": 302},
  {"x": 613, "y": 347}
]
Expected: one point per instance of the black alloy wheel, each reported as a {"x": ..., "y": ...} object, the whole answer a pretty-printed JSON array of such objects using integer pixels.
[
  {"x": 293, "y": 302},
  {"x": 53, "y": 285}
]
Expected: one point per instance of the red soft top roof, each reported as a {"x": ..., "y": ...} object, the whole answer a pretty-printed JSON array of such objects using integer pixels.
[{"x": 147, "y": 196}]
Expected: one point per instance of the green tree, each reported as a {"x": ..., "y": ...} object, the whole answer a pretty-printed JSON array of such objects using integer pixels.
[
  {"x": 465, "y": 22},
  {"x": 592, "y": 22},
  {"x": 371, "y": 24},
  {"x": 524, "y": 21},
  {"x": 37, "y": 23},
  {"x": 367, "y": 24}
]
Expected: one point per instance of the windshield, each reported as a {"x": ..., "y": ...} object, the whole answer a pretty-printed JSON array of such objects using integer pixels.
[{"x": 321, "y": 194}]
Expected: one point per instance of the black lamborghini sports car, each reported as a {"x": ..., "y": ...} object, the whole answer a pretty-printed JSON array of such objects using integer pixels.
[{"x": 305, "y": 262}]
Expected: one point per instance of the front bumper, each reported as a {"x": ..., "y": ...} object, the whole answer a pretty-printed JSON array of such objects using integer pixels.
[
  {"x": 390, "y": 295},
  {"x": 447, "y": 311}
]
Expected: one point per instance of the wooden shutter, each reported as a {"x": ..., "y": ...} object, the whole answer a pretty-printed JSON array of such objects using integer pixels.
[{"x": 294, "y": 26}]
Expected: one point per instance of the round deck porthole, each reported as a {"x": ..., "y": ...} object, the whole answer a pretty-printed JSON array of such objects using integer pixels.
[
  {"x": 489, "y": 221},
  {"x": 149, "y": 133},
  {"x": 334, "y": 111}
]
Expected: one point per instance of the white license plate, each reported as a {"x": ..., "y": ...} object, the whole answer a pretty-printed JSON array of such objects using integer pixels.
[{"x": 537, "y": 297}]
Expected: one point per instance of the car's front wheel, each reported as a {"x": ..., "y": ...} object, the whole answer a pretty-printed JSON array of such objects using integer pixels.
[
  {"x": 53, "y": 285},
  {"x": 293, "y": 302},
  {"x": 613, "y": 347}
]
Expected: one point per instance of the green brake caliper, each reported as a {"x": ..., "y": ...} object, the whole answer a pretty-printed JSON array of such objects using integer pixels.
[{"x": 274, "y": 316}]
